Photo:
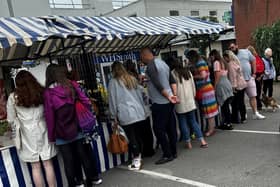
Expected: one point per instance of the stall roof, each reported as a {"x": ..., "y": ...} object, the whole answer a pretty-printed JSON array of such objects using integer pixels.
[{"x": 33, "y": 37}]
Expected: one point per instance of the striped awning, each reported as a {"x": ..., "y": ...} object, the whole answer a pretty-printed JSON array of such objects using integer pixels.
[{"x": 59, "y": 35}]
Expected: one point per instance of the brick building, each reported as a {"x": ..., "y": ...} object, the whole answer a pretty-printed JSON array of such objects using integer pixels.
[{"x": 249, "y": 14}]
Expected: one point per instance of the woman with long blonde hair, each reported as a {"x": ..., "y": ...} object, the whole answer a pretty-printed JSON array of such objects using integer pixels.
[
  {"x": 127, "y": 109},
  {"x": 238, "y": 84}
]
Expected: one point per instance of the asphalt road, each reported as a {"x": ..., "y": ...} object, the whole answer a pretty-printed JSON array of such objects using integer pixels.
[{"x": 244, "y": 157}]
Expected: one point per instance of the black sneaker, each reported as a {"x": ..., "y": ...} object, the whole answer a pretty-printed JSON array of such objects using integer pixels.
[
  {"x": 228, "y": 127},
  {"x": 164, "y": 160}
]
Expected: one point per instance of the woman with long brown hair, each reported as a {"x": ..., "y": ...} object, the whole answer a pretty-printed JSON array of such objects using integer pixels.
[
  {"x": 62, "y": 123},
  {"x": 223, "y": 88},
  {"x": 186, "y": 108},
  {"x": 127, "y": 109},
  {"x": 25, "y": 110}
]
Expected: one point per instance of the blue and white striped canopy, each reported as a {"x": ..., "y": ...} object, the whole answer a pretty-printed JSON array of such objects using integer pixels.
[{"x": 59, "y": 35}]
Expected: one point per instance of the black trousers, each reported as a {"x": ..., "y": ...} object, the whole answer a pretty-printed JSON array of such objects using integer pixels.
[
  {"x": 268, "y": 86},
  {"x": 74, "y": 151},
  {"x": 259, "y": 92},
  {"x": 164, "y": 124},
  {"x": 146, "y": 134},
  {"x": 238, "y": 106},
  {"x": 226, "y": 114},
  {"x": 135, "y": 140}
]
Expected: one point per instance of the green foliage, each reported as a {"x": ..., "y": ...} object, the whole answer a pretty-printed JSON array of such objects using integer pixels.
[
  {"x": 269, "y": 36},
  {"x": 4, "y": 126},
  {"x": 202, "y": 41}
]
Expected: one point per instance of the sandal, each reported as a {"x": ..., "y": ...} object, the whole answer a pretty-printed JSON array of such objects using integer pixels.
[
  {"x": 208, "y": 134},
  {"x": 204, "y": 146}
]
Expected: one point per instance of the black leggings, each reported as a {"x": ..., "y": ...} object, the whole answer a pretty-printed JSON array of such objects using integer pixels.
[
  {"x": 238, "y": 106},
  {"x": 74, "y": 151},
  {"x": 268, "y": 85},
  {"x": 135, "y": 140},
  {"x": 226, "y": 114}
]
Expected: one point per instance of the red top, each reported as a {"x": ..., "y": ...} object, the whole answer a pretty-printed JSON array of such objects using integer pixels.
[{"x": 259, "y": 65}]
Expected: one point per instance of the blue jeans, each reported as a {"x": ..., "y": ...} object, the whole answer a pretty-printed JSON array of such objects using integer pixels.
[{"x": 185, "y": 121}]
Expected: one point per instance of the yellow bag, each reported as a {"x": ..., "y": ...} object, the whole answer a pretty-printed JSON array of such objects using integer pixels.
[{"x": 117, "y": 143}]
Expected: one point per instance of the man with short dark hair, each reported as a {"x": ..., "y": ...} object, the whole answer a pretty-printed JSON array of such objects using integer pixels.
[
  {"x": 248, "y": 65},
  {"x": 162, "y": 92}
]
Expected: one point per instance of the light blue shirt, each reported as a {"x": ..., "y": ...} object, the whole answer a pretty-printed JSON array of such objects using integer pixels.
[
  {"x": 269, "y": 72},
  {"x": 246, "y": 58}
]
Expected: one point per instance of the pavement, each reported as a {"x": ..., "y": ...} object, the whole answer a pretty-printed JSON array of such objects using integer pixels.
[{"x": 248, "y": 156}]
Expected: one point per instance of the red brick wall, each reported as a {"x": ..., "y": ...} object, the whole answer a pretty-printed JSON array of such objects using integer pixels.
[{"x": 249, "y": 14}]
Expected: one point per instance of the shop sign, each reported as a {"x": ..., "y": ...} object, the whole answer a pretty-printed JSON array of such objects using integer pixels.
[{"x": 117, "y": 57}]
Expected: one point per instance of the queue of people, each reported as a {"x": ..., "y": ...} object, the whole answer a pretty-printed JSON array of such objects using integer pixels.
[
  {"x": 48, "y": 121},
  {"x": 174, "y": 90}
]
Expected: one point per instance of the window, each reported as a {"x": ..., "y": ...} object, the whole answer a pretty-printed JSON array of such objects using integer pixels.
[
  {"x": 195, "y": 13},
  {"x": 174, "y": 13},
  {"x": 133, "y": 15},
  {"x": 68, "y": 4},
  {"x": 165, "y": 56},
  {"x": 213, "y": 13}
]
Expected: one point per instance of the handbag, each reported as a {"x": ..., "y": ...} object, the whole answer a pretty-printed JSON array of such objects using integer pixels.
[
  {"x": 117, "y": 143},
  {"x": 85, "y": 117}
]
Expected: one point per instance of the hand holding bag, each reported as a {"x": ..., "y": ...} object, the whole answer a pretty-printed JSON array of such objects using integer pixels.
[{"x": 117, "y": 143}]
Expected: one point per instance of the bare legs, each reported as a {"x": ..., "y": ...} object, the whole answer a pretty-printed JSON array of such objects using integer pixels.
[
  {"x": 253, "y": 103},
  {"x": 37, "y": 174},
  {"x": 211, "y": 127}
]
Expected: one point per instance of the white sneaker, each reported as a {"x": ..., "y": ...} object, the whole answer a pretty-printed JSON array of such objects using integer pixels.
[
  {"x": 136, "y": 164},
  {"x": 97, "y": 181},
  {"x": 80, "y": 185},
  {"x": 257, "y": 115}
]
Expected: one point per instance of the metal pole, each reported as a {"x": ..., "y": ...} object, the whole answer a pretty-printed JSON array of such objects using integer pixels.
[
  {"x": 209, "y": 42},
  {"x": 10, "y": 6}
]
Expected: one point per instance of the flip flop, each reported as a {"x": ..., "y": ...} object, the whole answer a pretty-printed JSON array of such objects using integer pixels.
[
  {"x": 204, "y": 146},
  {"x": 208, "y": 134}
]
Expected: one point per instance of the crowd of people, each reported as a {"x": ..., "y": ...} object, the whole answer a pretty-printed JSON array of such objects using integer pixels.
[{"x": 175, "y": 89}]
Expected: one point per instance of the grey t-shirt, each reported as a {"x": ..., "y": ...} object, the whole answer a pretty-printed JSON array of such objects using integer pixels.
[
  {"x": 246, "y": 58},
  {"x": 159, "y": 78}
]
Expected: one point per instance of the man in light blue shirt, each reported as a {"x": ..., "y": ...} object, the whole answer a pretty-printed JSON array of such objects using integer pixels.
[{"x": 248, "y": 66}]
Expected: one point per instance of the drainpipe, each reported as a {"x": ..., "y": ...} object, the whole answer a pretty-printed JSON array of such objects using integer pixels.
[{"x": 10, "y": 7}]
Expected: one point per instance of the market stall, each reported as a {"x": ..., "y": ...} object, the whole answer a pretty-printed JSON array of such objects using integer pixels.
[{"x": 90, "y": 45}]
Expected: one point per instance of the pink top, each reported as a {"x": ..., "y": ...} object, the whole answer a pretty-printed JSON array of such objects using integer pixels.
[
  {"x": 235, "y": 76},
  {"x": 217, "y": 67}
]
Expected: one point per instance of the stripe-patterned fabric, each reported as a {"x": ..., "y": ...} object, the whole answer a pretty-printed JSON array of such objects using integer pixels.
[
  {"x": 34, "y": 37},
  {"x": 14, "y": 173}
]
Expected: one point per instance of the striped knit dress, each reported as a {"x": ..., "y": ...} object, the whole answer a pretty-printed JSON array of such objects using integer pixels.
[{"x": 205, "y": 93}]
